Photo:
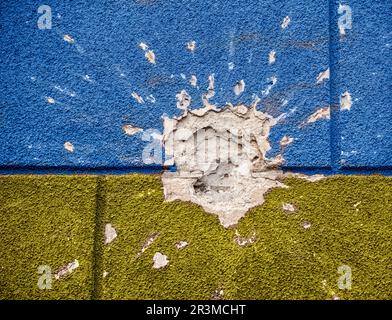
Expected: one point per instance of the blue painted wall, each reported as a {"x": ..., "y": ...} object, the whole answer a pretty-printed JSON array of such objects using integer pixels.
[{"x": 91, "y": 78}]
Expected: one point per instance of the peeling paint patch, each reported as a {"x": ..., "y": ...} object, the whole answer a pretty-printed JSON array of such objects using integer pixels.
[
  {"x": 345, "y": 101},
  {"x": 285, "y": 22},
  {"x": 191, "y": 46},
  {"x": 324, "y": 75},
  {"x": 160, "y": 260},
  {"x": 183, "y": 100},
  {"x": 68, "y": 38},
  {"x": 239, "y": 87},
  {"x": 323, "y": 113},
  {"x": 130, "y": 129},
  {"x": 138, "y": 98},
  {"x": 67, "y": 269},
  {"x": 110, "y": 233},
  {"x": 69, "y": 146},
  {"x": 272, "y": 57}
]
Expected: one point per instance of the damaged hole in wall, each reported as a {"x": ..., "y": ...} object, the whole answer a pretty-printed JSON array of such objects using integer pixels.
[{"x": 221, "y": 159}]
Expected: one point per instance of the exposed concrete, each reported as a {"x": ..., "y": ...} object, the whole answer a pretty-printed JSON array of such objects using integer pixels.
[{"x": 220, "y": 155}]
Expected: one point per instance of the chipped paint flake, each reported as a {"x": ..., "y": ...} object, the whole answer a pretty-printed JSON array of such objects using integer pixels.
[
  {"x": 191, "y": 46},
  {"x": 183, "y": 100},
  {"x": 110, "y": 233},
  {"x": 323, "y": 113},
  {"x": 160, "y": 260},
  {"x": 243, "y": 242},
  {"x": 345, "y": 101},
  {"x": 50, "y": 100},
  {"x": 148, "y": 242},
  {"x": 193, "y": 81},
  {"x": 181, "y": 245},
  {"x": 69, "y": 146},
  {"x": 138, "y": 98},
  {"x": 324, "y": 75},
  {"x": 285, "y": 141},
  {"x": 239, "y": 87},
  {"x": 231, "y": 66},
  {"x": 150, "y": 56},
  {"x": 130, "y": 130},
  {"x": 289, "y": 208},
  {"x": 143, "y": 46},
  {"x": 67, "y": 269},
  {"x": 272, "y": 57},
  {"x": 306, "y": 225},
  {"x": 68, "y": 38},
  {"x": 285, "y": 22}
]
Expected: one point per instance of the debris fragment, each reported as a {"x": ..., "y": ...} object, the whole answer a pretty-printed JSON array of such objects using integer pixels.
[
  {"x": 231, "y": 65},
  {"x": 105, "y": 274},
  {"x": 110, "y": 233},
  {"x": 272, "y": 57},
  {"x": 68, "y": 269},
  {"x": 69, "y": 146},
  {"x": 286, "y": 22},
  {"x": 345, "y": 101},
  {"x": 181, "y": 245},
  {"x": 324, "y": 75},
  {"x": 130, "y": 129},
  {"x": 160, "y": 260},
  {"x": 239, "y": 87}
]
